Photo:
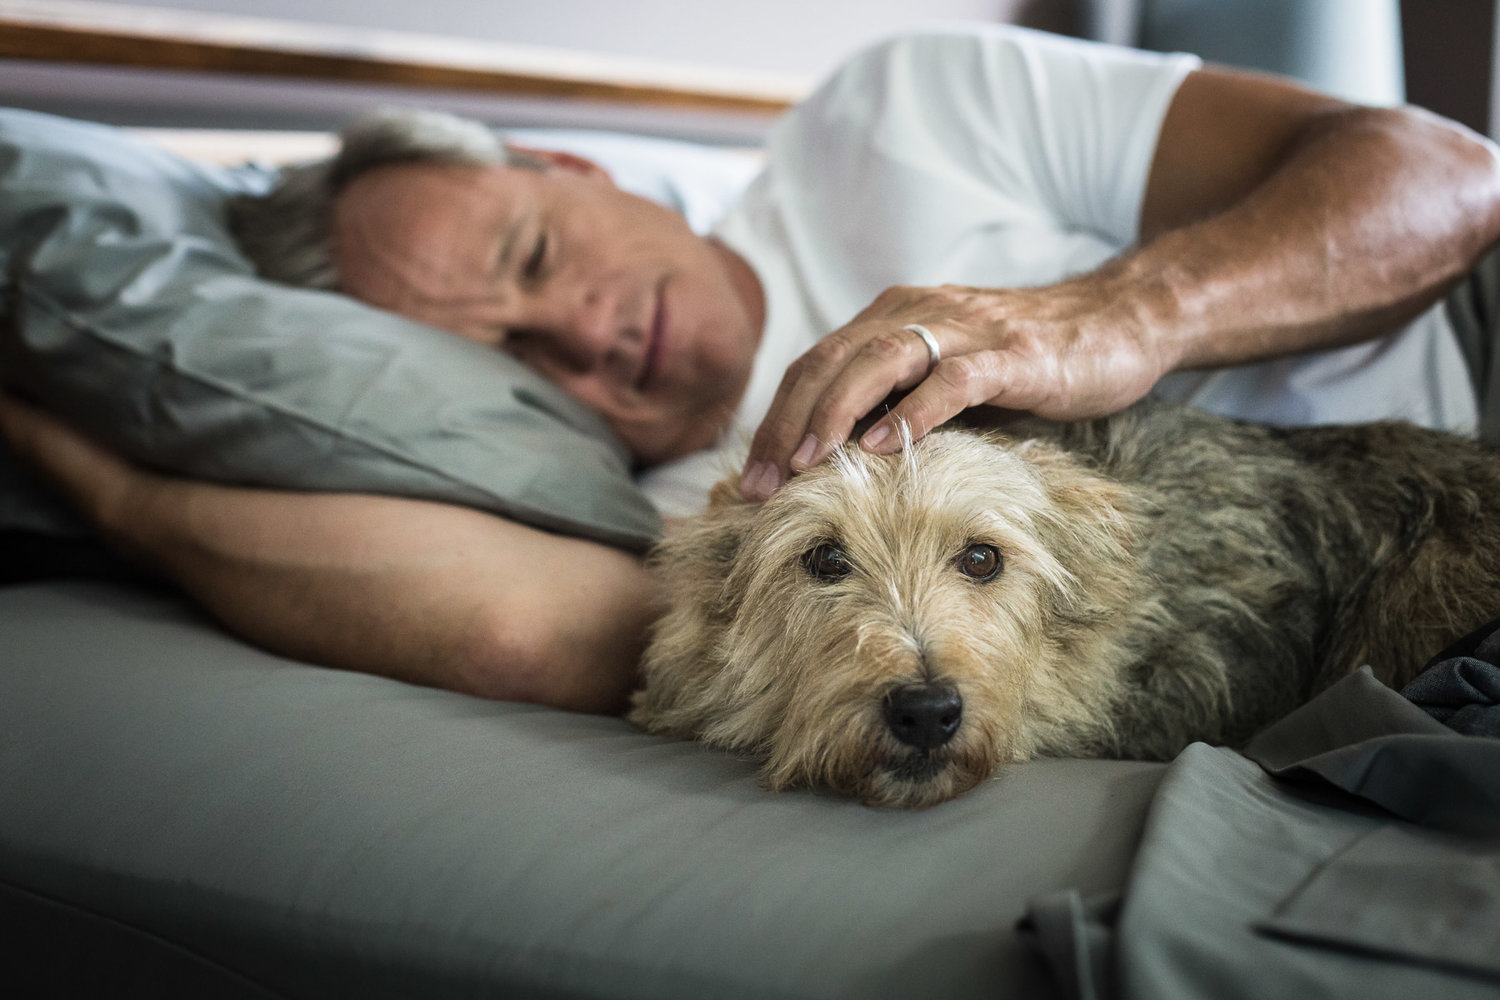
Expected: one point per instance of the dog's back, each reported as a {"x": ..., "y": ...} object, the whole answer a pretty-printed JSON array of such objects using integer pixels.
[{"x": 1287, "y": 557}]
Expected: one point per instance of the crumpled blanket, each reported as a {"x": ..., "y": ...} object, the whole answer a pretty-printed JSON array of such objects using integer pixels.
[
  {"x": 1352, "y": 850},
  {"x": 1461, "y": 686}
]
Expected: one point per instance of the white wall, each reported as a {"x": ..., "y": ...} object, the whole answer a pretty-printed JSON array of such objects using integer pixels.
[
  {"x": 785, "y": 36},
  {"x": 1351, "y": 47},
  {"x": 800, "y": 39}
]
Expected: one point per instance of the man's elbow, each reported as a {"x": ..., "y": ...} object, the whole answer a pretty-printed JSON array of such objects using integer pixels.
[
  {"x": 1461, "y": 168},
  {"x": 570, "y": 666}
]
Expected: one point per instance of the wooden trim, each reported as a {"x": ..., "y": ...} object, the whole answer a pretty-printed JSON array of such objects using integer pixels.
[{"x": 66, "y": 43}]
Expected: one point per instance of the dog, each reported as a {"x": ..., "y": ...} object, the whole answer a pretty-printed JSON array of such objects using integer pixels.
[{"x": 897, "y": 628}]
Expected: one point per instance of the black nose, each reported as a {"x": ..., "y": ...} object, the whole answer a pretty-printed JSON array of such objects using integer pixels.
[{"x": 924, "y": 715}]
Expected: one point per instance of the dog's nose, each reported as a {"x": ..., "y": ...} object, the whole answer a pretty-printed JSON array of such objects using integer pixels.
[{"x": 924, "y": 715}]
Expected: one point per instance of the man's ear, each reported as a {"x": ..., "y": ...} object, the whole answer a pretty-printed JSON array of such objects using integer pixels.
[{"x": 560, "y": 160}]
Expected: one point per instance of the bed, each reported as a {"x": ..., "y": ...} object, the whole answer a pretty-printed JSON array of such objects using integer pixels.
[{"x": 183, "y": 814}]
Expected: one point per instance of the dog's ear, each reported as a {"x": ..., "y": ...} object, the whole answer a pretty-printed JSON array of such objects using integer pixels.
[
  {"x": 1093, "y": 531},
  {"x": 1075, "y": 487},
  {"x": 725, "y": 493},
  {"x": 698, "y": 551},
  {"x": 724, "y": 527},
  {"x": 719, "y": 530},
  {"x": 693, "y": 564}
]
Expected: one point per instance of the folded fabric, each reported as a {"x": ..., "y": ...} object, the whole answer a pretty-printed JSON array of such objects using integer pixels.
[
  {"x": 1461, "y": 686},
  {"x": 1363, "y": 738},
  {"x": 1405, "y": 892},
  {"x": 1284, "y": 871}
]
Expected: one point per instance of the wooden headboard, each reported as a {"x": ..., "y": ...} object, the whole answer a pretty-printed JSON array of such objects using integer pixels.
[{"x": 94, "y": 35}]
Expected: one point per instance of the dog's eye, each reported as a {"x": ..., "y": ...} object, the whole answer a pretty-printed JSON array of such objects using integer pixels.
[
  {"x": 980, "y": 563},
  {"x": 827, "y": 562}
]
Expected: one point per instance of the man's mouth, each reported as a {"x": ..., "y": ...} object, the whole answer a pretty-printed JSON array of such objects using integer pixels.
[{"x": 656, "y": 337}]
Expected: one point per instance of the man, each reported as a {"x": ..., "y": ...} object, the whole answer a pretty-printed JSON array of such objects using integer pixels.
[{"x": 1153, "y": 218}]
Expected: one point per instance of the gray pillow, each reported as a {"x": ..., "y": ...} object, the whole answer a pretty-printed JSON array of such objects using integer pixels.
[{"x": 128, "y": 309}]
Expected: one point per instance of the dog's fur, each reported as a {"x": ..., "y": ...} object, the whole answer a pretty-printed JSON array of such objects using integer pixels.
[{"x": 1168, "y": 576}]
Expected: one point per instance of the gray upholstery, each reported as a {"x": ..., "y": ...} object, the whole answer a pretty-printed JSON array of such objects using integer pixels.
[{"x": 179, "y": 808}]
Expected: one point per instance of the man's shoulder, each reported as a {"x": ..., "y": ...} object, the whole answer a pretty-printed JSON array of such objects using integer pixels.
[{"x": 948, "y": 66}]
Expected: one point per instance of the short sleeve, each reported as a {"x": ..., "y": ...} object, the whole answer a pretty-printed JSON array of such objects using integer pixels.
[{"x": 1067, "y": 126}]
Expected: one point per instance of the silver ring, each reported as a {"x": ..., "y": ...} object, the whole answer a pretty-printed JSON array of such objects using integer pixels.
[{"x": 933, "y": 354}]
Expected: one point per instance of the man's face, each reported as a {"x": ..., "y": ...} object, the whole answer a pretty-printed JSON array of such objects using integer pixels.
[{"x": 609, "y": 296}]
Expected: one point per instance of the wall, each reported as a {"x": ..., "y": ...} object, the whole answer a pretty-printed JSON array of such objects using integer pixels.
[
  {"x": 798, "y": 38},
  {"x": 802, "y": 37},
  {"x": 1352, "y": 47}
]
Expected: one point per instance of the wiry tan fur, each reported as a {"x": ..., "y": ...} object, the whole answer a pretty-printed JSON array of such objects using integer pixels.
[{"x": 1168, "y": 576}]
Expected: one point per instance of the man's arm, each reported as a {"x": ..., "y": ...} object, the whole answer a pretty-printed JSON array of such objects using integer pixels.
[
  {"x": 1315, "y": 222},
  {"x": 1275, "y": 221},
  {"x": 428, "y": 593}
]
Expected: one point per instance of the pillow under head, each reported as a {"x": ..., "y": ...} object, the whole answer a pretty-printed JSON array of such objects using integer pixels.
[{"x": 128, "y": 309}]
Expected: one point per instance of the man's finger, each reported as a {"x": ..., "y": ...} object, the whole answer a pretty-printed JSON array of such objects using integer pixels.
[
  {"x": 893, "y": 361},
  {"x": 783, "y": 433},
  {"x": 954, "y": 385}
]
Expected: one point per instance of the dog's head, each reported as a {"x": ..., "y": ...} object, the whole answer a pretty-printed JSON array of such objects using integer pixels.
[{"x": 895, "y": 627}]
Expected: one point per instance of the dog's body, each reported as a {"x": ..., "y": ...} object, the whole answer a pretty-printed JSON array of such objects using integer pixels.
[{"x": 897, "y": 628}]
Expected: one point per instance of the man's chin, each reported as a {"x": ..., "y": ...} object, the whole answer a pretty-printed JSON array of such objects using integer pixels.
[{"x": 687, "y": 436}]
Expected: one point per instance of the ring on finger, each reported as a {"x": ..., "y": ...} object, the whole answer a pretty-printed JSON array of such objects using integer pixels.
[{"x": 934, "y": 354}]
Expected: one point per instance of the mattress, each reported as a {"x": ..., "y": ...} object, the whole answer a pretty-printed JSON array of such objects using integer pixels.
[{"x": 184, "y": 813}]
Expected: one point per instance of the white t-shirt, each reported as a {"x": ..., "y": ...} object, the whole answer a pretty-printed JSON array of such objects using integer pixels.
[{"x": 1003, "y": 157}]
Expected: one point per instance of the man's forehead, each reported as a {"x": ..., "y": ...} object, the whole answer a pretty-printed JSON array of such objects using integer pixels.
[
  {"x": 409, "y": 237},
  {"x": 396, "y": 192}
]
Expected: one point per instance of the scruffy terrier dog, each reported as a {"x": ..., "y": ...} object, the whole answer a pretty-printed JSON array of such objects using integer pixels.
[{"x": 897, "y": 628}]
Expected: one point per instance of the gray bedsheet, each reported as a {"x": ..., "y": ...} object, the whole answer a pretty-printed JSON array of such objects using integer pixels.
[
  {"x": 1354, "y": 852},
  {"x": 182, "y": 814}
]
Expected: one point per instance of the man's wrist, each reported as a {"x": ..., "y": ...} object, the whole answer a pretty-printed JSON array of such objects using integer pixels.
[{"x": 1153, "y": 309}]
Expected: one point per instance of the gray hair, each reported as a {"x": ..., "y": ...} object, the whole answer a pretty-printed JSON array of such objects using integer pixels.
[{"x": 288, "y": 232}]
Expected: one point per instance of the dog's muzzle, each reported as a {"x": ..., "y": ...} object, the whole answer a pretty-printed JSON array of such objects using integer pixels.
[{"x": 925, "y": 716}]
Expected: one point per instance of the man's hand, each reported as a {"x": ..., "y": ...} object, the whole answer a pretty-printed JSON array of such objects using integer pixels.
[
  {"x": 1068, "y": 351},
  {"x": 99, "y": 485}
]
